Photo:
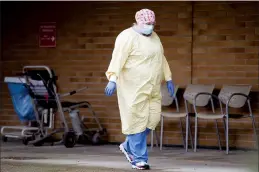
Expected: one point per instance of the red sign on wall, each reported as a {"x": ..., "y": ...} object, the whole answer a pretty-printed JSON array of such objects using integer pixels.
[{"x": 47, "y": 34}]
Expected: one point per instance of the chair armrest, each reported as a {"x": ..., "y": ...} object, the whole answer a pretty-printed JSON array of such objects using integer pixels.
[
  {"x": 238, "y": 94},
  {"x": 72, "y": 92},
  {"x": 205, "y": 93}
]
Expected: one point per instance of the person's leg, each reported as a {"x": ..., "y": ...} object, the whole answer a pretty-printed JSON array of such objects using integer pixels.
[
  {"x": 138, "y": 146},
  {"x": 154, "y": 111},
  {"x": 147, "y": 131},
  {"x": 138, "y": 142},
  {"x": 125, "y": 149},
  {"x": 126, "y": 144}
]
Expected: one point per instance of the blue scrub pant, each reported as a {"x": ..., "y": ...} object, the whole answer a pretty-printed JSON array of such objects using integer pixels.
[{"x": 136, "y": 145}]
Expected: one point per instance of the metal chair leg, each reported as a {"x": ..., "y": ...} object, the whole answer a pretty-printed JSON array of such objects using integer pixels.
[
  {"x": 227, "y": 136},
  {"x": 224, "y": 121},
  {"x": 217, "y": 128},
  {"x": 161, "y": 132},
  {"x": 196, "y": 134},
  {"x": 181, "y": 126},
  {"x": 157, "y": 139},
  {"x": 190, "y": 131},
  {"x": 187, "y": 129},
  {"x": 255, "y": 132}
]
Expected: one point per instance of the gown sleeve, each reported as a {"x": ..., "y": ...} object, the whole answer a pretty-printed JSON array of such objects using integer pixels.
[
  {"x": 121, "y": 51},
  {"x": 166, "y": 70}
]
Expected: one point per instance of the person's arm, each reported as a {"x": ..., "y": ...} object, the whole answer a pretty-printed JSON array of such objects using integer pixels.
[
  {"x": 167, "y": 73},
  {"x": 120, "y": 54},
  {"x": 168, "y": 77},
  {"x": 166, "y": 70}
]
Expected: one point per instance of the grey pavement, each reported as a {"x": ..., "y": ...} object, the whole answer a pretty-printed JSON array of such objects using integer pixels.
[{"x": 16, "y": 156}]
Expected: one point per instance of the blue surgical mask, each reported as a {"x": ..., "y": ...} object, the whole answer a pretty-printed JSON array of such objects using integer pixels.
[{"x": 147, "y": 29}]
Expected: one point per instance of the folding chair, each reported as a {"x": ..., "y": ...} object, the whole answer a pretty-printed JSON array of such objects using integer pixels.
[
  {"x": 191, "y": 98},
  {"x": 236, "y": 96},
  {"x": 166, "y": 101},
  {"x": 232, "y": 96}
]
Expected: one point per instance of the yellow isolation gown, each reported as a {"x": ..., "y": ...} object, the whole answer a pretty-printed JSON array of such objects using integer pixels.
[{"x": 139, "y": 66}]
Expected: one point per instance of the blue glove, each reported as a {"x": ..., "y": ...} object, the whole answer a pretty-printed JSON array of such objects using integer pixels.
[
  {"x": 110, "y": 88},
  {"x": 170, "y": 87}
]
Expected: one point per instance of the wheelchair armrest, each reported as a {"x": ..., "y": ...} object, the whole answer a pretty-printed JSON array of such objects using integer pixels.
[
  {"x": 72, "y": 92},
  {"x": 20, "y": 74}
]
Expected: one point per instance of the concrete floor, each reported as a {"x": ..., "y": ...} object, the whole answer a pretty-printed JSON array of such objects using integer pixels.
[{"x": 15, "y": 157}]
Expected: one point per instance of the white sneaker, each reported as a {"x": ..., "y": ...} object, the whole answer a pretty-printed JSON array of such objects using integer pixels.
[
  {"x": 141, "y": 166},
  {"x": 128, "y": 156}
]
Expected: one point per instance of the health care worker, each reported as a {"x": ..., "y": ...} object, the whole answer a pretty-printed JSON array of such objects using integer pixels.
[{"x": 137, "y": 68}]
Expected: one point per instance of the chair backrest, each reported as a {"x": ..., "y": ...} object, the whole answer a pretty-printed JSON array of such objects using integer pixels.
[
  {"x": 193, "y": 89},
  {"x": 166, "y": 99},
  {"x": 45, "y": 82},
  {"x": 36, "y": 86},
  {"x": 43, "y": 93},
  {"x": 236, "y": 101}
]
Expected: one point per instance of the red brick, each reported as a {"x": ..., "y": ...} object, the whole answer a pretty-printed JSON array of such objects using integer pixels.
[
  {"x": 225, "y": 51},
  {"x": 252, "y": 74}
]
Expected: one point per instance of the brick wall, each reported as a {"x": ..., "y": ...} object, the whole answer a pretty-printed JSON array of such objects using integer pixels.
[
  {"x": 225, "y": 51},
  {"x": 86, "y": 31},
  {"x": 1, "y": 68},
  {"x": 226, "y": 43}
]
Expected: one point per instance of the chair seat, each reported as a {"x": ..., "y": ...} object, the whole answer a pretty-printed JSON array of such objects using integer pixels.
[
  {"x": 210, "y": 116},
  {"x": 173, "y": 114},
  {"x": 238, "y": 116}
]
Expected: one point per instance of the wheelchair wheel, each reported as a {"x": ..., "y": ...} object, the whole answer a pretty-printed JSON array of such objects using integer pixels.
[
  {"x": 4, "y": 139},
  {"x": 96, "y": 139},
  {"x": 25, "y": 141},
  {"x": 70, "y": 139},
  {"x": 39, "y": 143}
]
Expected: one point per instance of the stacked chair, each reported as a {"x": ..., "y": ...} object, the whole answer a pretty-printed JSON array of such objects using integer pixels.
[{"x": 199, "y": 96}]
